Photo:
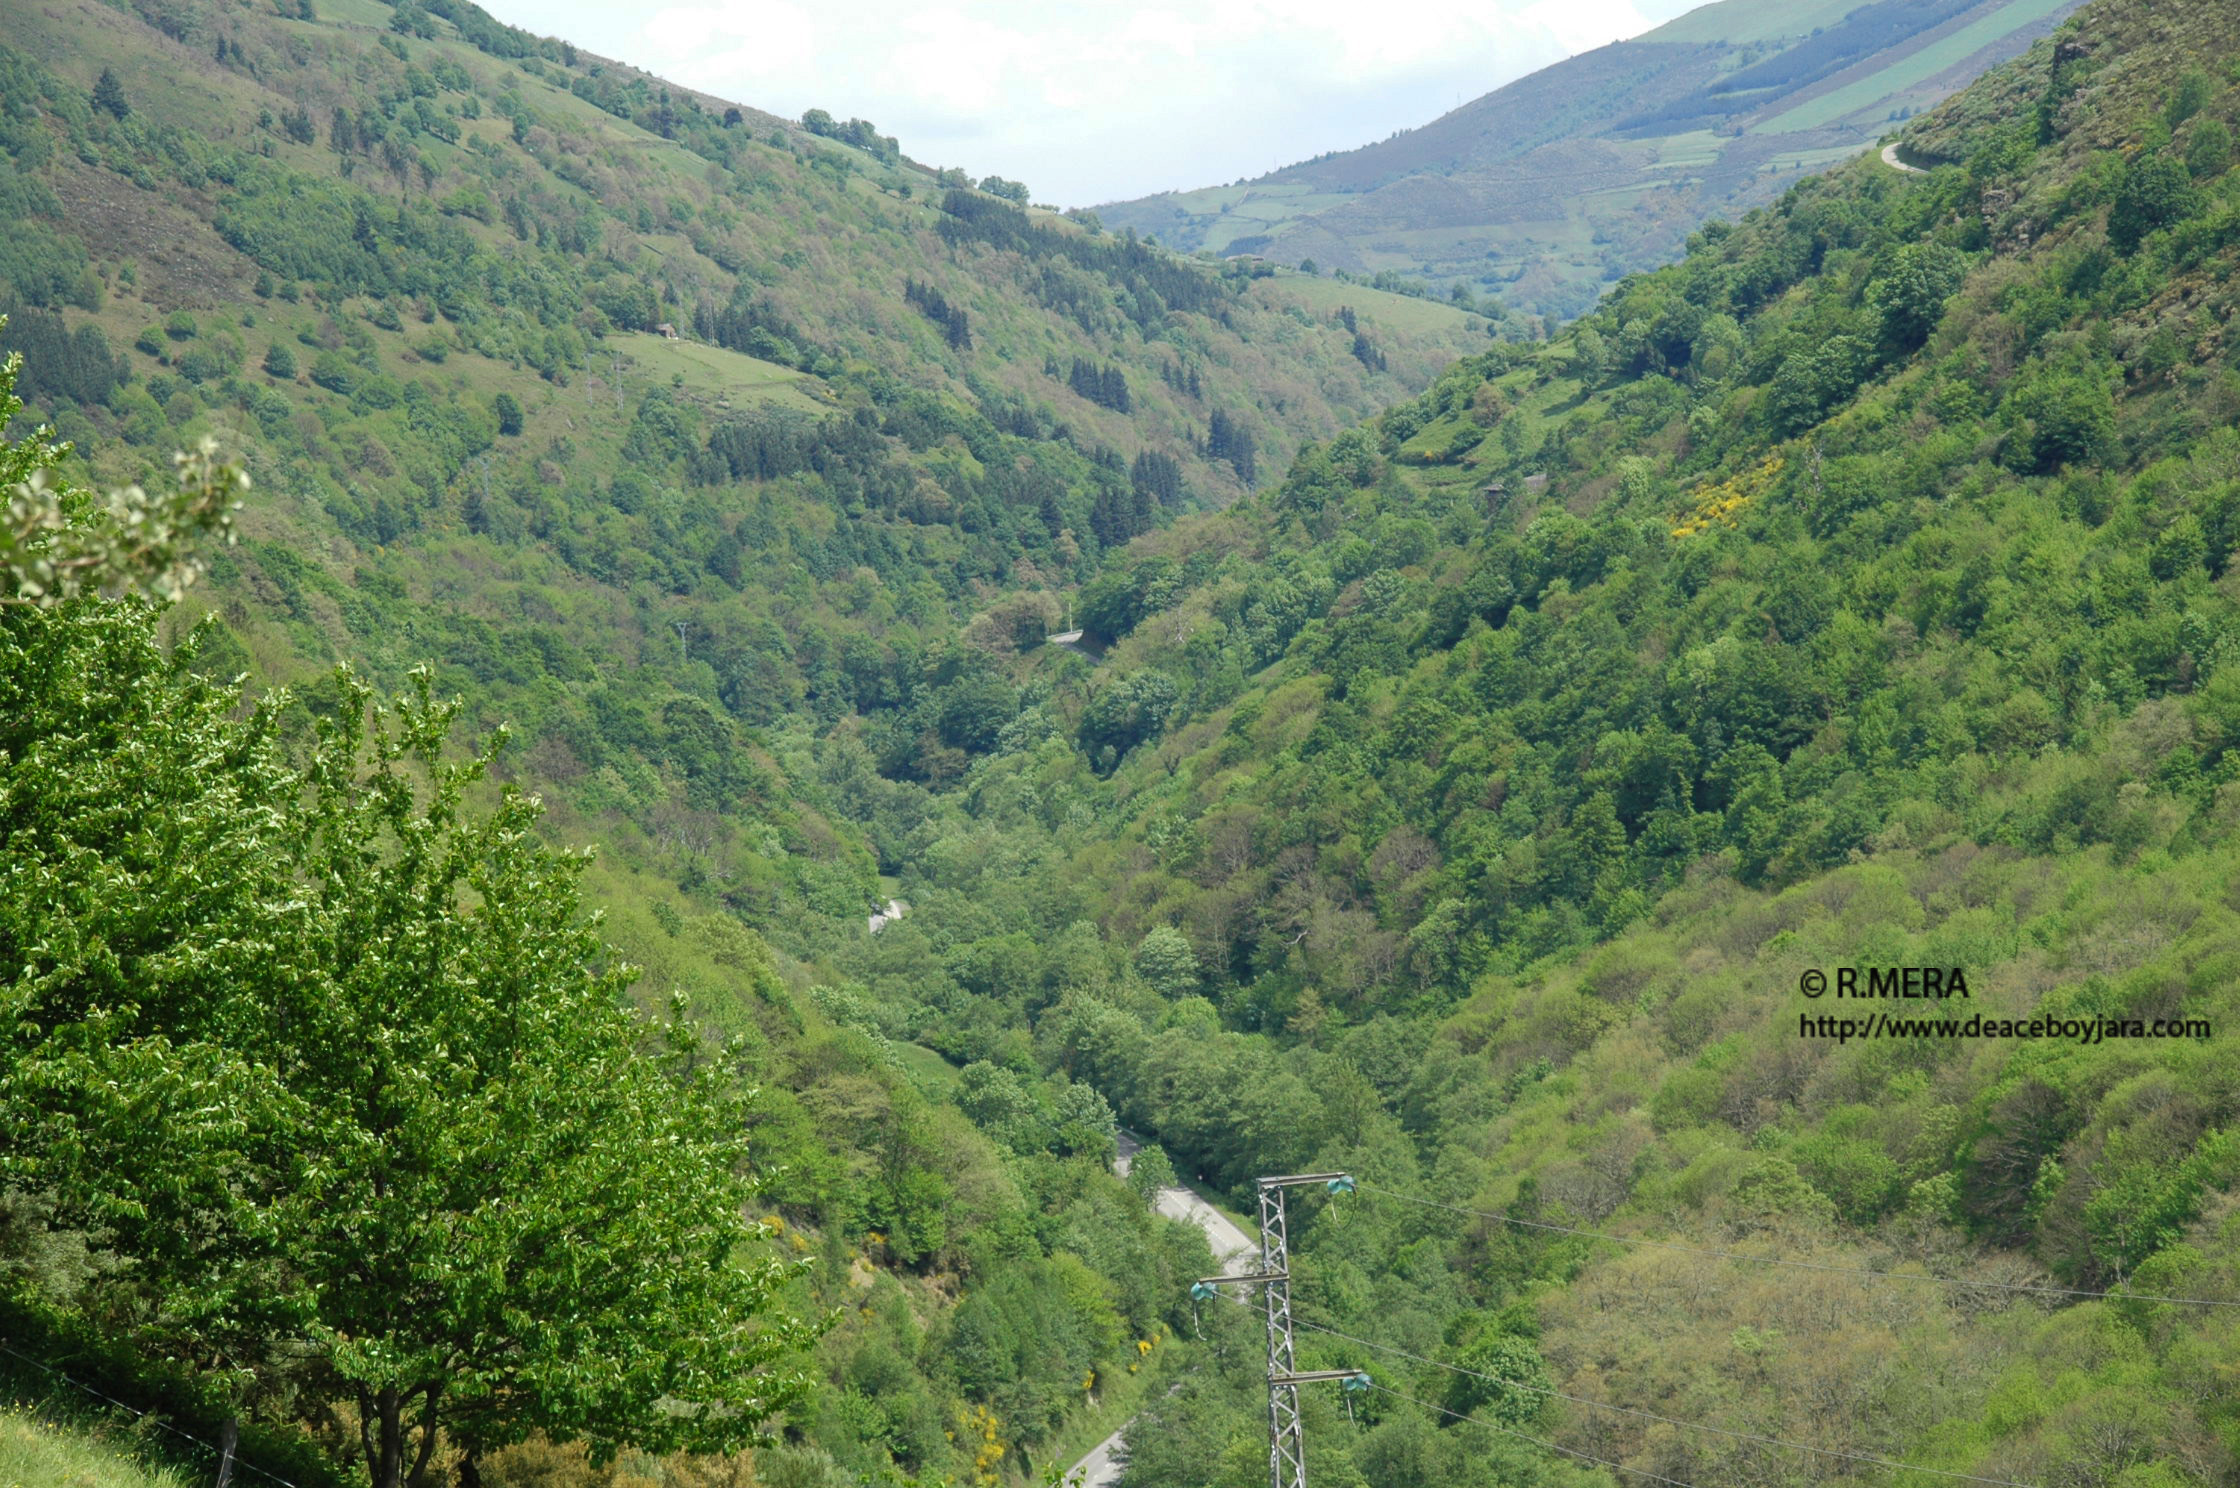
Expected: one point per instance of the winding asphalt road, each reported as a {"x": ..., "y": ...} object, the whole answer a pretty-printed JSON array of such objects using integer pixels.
[{"x": 1102, "y": 1467}]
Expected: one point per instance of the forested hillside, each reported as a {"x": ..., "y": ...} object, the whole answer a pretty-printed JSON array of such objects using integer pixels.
[
  {"x": 1465, "y": 811},
  {"x": 331, "y": 1130},
  {"x": 414, "y": 266},
  {"x": 417, "y": 274},
  {"x": 1462, "y": 809}
]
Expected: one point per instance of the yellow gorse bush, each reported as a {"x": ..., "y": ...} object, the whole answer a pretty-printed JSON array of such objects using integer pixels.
[
  {"x": 981, "y": 1428},
  {"x": 1724, "y": 500}
]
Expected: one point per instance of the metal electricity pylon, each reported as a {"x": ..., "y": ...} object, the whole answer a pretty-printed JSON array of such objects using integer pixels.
[{"x": 1287, "y": 1447}]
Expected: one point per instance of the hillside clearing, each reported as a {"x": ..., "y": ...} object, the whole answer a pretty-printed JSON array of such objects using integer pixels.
[{"x": 718, "y": 373}]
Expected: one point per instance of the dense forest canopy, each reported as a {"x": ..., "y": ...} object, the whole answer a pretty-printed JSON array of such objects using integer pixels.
[
  {"x": 1462, "y": 810},
  {"x": 1852, "y": 593}
]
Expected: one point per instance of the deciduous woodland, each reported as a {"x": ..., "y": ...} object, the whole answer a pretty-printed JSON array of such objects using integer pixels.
[{"x": 441, "y": 814}]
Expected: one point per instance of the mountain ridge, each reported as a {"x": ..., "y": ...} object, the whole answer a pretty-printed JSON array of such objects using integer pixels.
[{"x": 1549, "y": 189}]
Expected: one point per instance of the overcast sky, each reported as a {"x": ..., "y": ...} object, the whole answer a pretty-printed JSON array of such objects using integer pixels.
[{"x": 1093, "y": 103}]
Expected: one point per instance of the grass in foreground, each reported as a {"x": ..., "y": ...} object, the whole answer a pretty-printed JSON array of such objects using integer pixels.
[{"x": 36, "y": 1453}]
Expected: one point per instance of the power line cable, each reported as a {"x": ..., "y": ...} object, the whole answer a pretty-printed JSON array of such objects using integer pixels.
[
  {"x": 238, "y": 1460},
  {"x": 1762, "y": 1260},
  {"x": 1627, "y": 1410},
  {"x": 1549, "y": 1446}
]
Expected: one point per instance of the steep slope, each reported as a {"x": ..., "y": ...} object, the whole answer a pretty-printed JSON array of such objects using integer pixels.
[
  {"x": 1467, "y": 813},
  {"x": 415, "y": 268},
  {"x": 1546, "y": 191},
  {"x": 418, "y": 266}
]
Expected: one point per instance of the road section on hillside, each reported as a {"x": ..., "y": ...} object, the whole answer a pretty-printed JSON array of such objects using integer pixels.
[
  {"x": 1890, "y": 158},
  {"x": 1102, "y": 1466}
]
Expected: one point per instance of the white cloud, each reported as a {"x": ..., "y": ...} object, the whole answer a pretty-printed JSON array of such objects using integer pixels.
[
  {"x": 710, "y": 46},
  {"x": 1091, "y": 103}
]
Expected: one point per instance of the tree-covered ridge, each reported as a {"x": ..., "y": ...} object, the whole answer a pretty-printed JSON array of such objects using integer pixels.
[
  {"x": 1830, "y": 529},
  {"x": 1467, "y": 807},
  {"x": 1460, "y": 812}
]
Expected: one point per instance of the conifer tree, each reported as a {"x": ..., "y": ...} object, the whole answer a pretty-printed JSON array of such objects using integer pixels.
[{"x": 108, "y": 95}]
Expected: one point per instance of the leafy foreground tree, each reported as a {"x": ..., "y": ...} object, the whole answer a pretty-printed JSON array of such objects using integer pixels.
[
  {"x": 57, "y": 542},
  {"x": 328, "y": 1059}
]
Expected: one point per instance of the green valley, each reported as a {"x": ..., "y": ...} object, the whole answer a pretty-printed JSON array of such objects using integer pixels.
[{"x": 1518, "y": 775}]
